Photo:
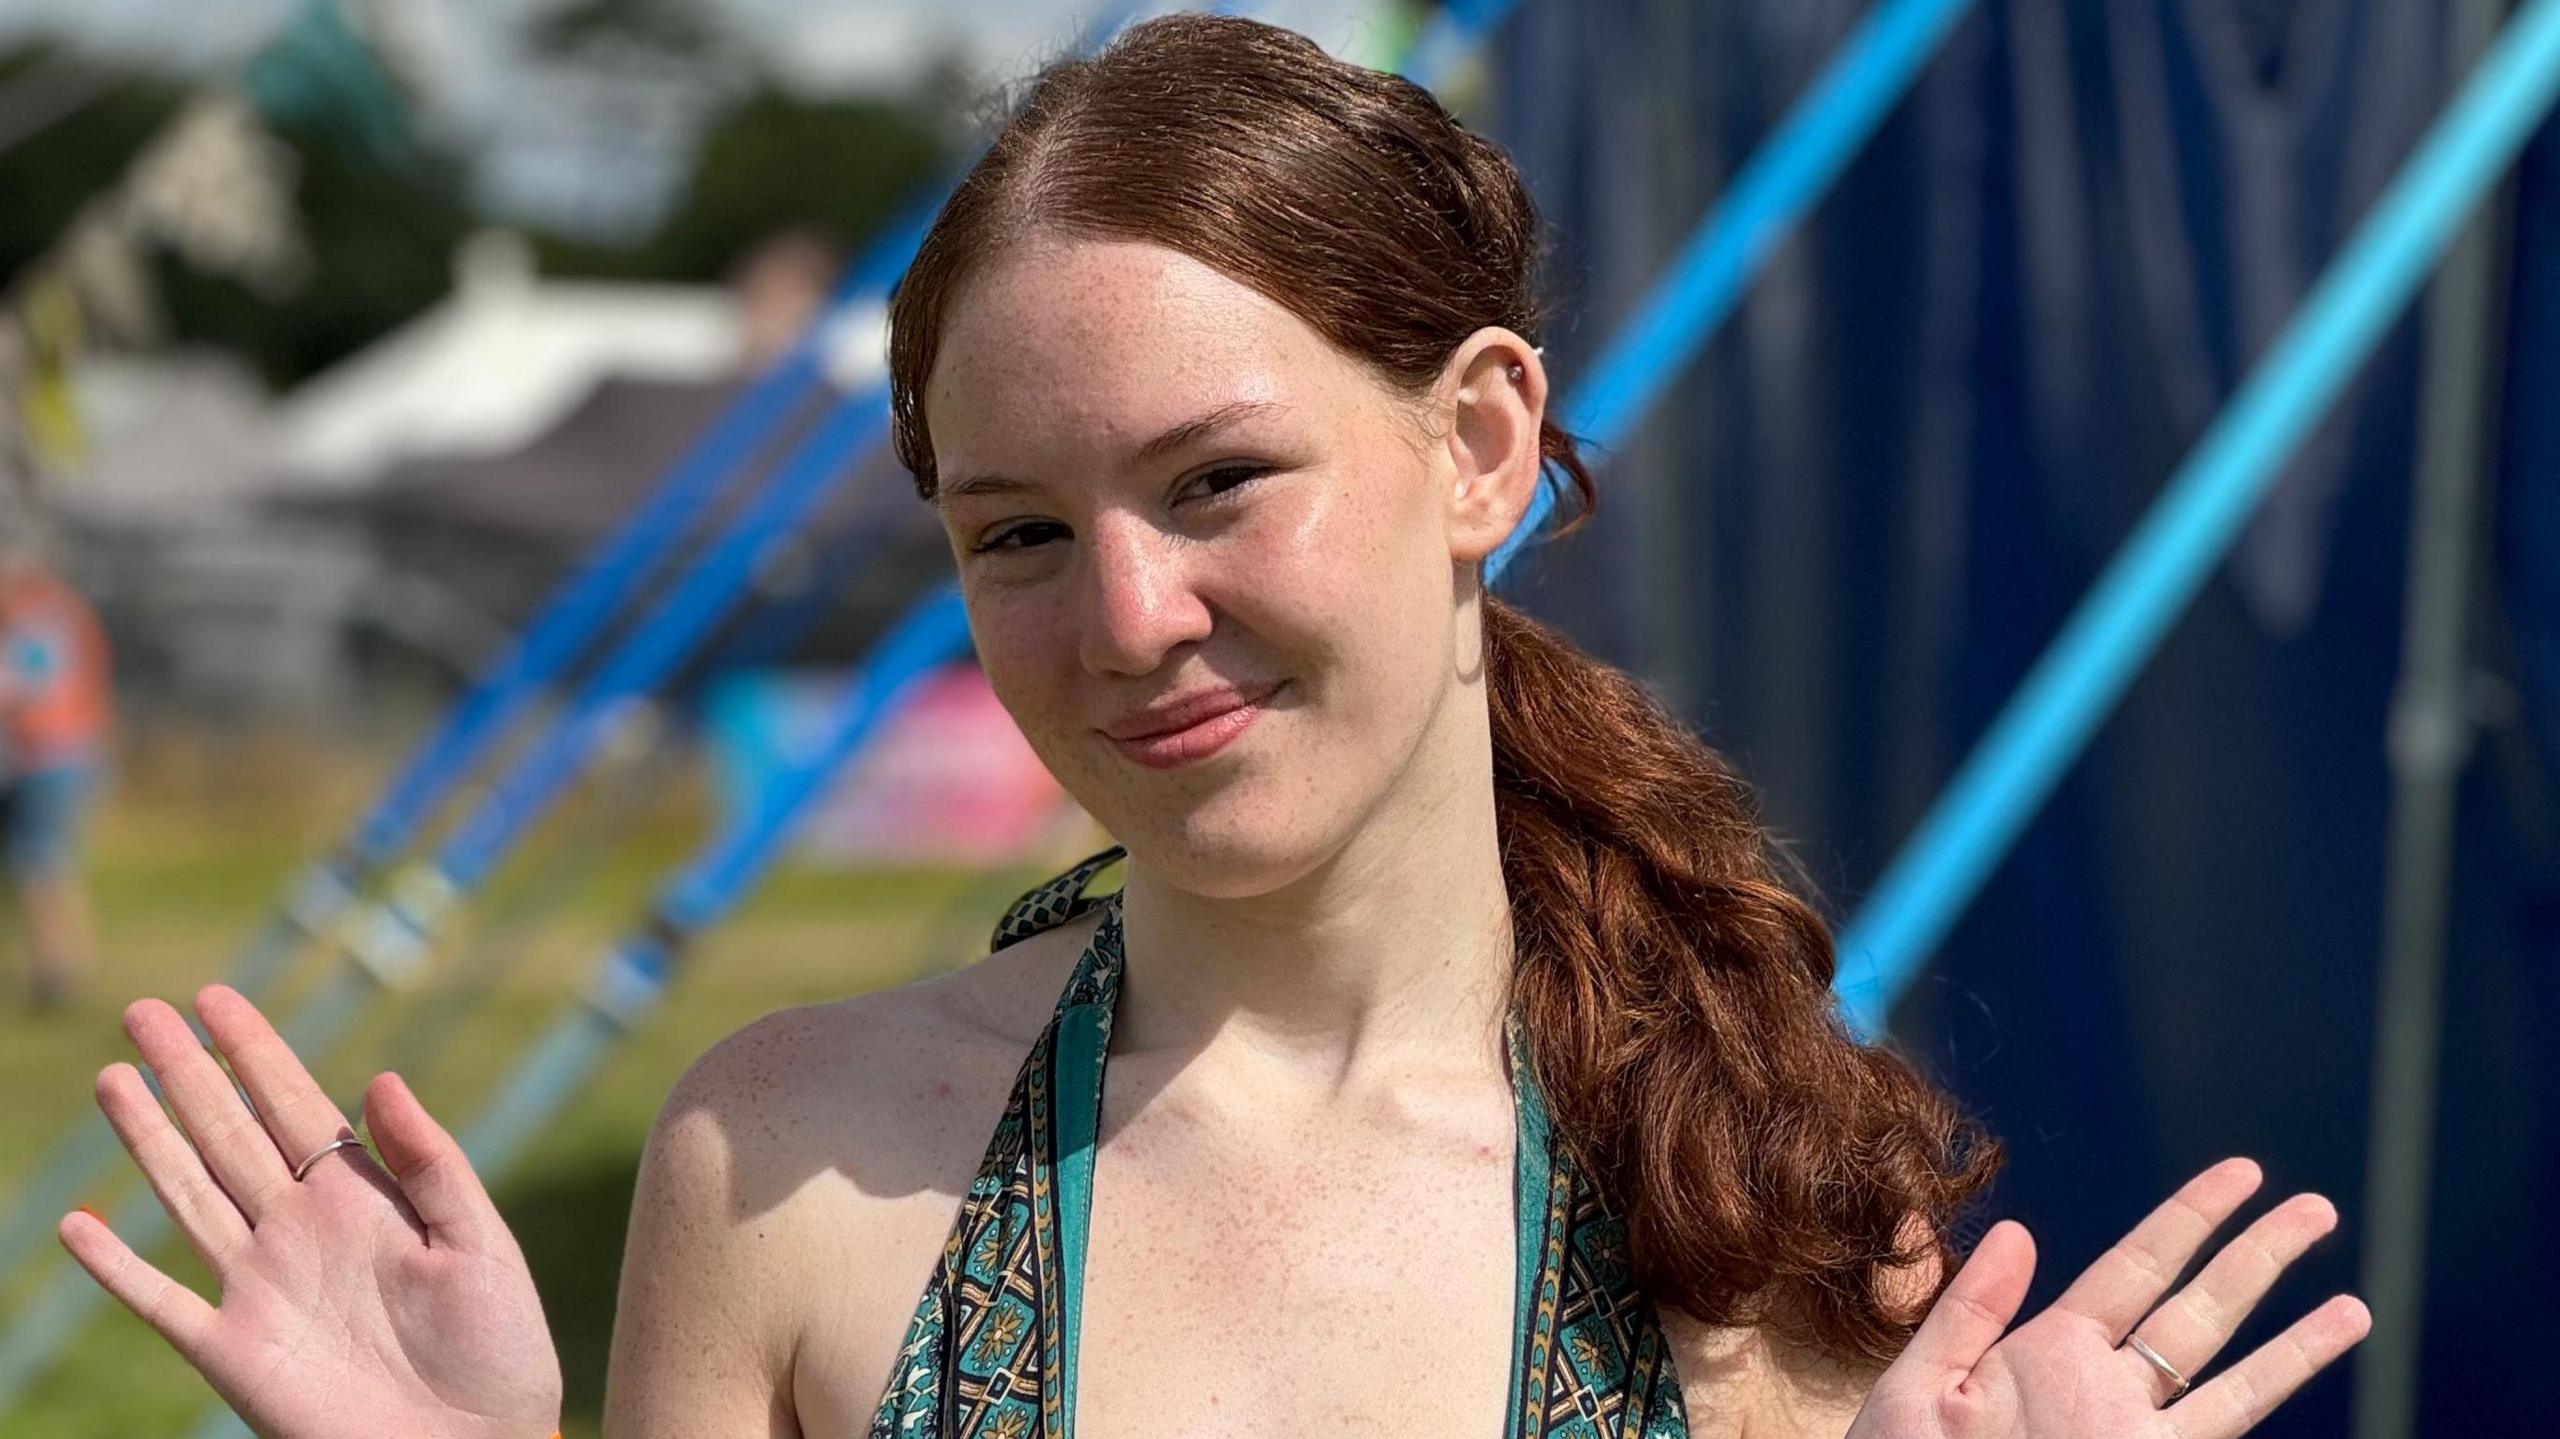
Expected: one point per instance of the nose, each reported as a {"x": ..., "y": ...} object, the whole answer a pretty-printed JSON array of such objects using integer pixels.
[{"x": 1136, "y": 595}]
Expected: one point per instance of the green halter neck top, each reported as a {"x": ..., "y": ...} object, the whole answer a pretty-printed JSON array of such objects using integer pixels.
[{"x": 991, "y": 1353}]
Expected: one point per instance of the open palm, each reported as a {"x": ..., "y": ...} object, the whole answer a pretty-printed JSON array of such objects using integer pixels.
[
  {"x": 353, "y": 1300},
  {"x": 2072, "y": 1370}
]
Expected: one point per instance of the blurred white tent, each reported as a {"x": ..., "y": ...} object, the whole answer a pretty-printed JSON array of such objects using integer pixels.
[
  {"x": 509, "y": 354},
  {"x": 496, "y": 363}
]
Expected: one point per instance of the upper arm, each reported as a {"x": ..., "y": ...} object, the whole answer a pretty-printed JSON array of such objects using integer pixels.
[
  {"x": 796, "y": 1192},
  {"x": 702, "y": 1339}
]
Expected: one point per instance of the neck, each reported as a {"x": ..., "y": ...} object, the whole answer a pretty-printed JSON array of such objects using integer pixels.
[{"x": 1392, "y": 955}]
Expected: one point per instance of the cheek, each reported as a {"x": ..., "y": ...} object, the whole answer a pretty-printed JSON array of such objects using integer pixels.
[
  {"x": 1360, "y": 536},
  {"x": 1029, "y": 655},
  {"x": 1353, "y": 590},
  {"x": 1382, "y": 557}
]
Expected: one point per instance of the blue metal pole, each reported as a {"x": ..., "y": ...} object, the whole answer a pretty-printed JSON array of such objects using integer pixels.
[
  {"x": 324, "y": 894},
  {"x": 664, "y": 640},
  {"x": 497, "y": 943},
  {"x": 1767, "y": 199},
  {"x": 634, "y": 978},
  {"x": 316, "y": 1027},
  {"x": 393, "y": 943},
  {"x": 638, "y": 971},
  {"x": 2147, "y": 586}
]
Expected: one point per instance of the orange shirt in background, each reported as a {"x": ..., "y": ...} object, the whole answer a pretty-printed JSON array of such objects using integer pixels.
[{"x": 57, "y": 706}]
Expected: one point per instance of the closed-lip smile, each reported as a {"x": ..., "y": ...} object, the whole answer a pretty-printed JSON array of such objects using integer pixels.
[{"x": 1190, "y": 727}]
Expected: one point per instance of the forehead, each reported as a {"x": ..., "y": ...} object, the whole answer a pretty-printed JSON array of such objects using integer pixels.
[{"x": 1102, "y": 344}]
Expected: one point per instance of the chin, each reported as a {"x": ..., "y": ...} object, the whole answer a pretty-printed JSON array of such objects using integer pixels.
[{"x": 1235, "y": 846}]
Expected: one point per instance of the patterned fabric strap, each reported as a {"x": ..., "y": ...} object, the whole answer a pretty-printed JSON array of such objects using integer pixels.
[
  {"x": 983, "y": 1354},
  {"x": 1054, "y": 903},
  {"x": 979, "y": 1358},
  {"x": 1593, "y": 1360}
]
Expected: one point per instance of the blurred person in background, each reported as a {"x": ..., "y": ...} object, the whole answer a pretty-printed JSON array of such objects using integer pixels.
[
  {"x": 55, "y": 713},
  {"x": 781, "y": 284}
]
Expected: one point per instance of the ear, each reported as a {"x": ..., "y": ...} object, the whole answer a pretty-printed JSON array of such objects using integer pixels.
[{"x": 1494, "y": 399}]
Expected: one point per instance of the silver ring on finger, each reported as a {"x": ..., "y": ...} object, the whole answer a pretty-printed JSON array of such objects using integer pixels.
[
  {"x": 349, "y": 1141},
  {"x": 2178, "y": 1385}
]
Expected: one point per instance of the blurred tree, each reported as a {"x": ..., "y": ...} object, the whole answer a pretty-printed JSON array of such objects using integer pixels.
[
  {"x": 777, "y": 162},
  {"x": 383, "y": 211},
  {"x": 671, "y": 28},
  {"x": 382, "y": 240},
  {"x": 381, "y": 232},
  {"x": 51, "y": 173},
  {"x": 772, "y": 162}
]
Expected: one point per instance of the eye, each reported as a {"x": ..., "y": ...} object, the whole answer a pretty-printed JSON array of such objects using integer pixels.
[
  {"x": 1027, "y": 535},
  {"x": 1213, "y": 484}
]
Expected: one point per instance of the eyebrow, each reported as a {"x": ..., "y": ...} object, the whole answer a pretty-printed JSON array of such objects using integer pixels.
[
  {"x": 1190, "y": 431},
  {"x": 1202, "y": 426}
]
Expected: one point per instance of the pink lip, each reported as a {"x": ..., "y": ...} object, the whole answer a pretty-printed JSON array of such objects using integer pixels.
[{"x": 1191, "y": 730}]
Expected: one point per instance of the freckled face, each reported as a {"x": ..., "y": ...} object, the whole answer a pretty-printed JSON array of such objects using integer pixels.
[{"x": 1161, "y": 486}]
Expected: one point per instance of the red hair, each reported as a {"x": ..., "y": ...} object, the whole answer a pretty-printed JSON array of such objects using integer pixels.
[{"x": 1675, "y": 986}]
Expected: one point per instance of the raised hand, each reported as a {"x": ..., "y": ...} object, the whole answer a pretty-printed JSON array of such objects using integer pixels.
[
  {"x": 2072, "y": 1372},
  {"x": 354, "y": 1302}
]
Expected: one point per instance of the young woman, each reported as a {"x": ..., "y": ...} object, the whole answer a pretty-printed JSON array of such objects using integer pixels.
[{"x": 1453, "y": 1061}]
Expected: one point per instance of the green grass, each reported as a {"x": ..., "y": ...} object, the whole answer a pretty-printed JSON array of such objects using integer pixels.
[{"x": 179, "y": 880}]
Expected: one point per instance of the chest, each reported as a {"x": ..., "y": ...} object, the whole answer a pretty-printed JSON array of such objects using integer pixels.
[
  {"x": 1272, "y": 1282},
  {"x": 1294, "y": 1278},
  {"x": 1154, "y": 1257}
]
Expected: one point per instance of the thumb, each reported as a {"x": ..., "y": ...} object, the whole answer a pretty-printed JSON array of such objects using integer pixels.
[
  {"x": 1978, "y": 1305},
  {"x": 430, "y": 1166}
]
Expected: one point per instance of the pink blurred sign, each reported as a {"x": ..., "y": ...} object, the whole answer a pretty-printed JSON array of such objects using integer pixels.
[{"x": 948, "y": 779}]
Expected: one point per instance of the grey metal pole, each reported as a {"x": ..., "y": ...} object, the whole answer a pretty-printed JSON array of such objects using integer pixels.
[{"x": 2429, "y": 742}]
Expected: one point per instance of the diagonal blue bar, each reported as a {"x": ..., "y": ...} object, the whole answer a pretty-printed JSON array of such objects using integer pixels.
[
  {"x": 1873, "y": 68},
  {"x": 662, "y": 641},
  {"x": 590, "y": 599},
  {"x": 2148, "y": 585}
]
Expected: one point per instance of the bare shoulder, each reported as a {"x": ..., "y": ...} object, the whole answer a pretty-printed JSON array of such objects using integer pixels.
[
  {"x": 797, "y": 1187},
  {"x": 873, "y": 1091}
]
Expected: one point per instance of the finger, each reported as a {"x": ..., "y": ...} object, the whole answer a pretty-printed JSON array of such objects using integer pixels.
[
  {"x": 2130, "y": 1277},
  {"x": 235, "y": 1146},
  {"x": 1978, "y": 1304},
  {"x": 2199, "y": 1319},
  {"x": 2242, "y": 1396},
  {"x": 206, "y": 1215},
  {"x": 431, "y": 1167},
  {"x": 176, "y": 1312},
  {"x": 300, "y": 1117}
]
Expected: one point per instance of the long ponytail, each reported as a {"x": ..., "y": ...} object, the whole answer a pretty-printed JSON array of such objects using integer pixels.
[{"x": 1676, "y": 989}]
